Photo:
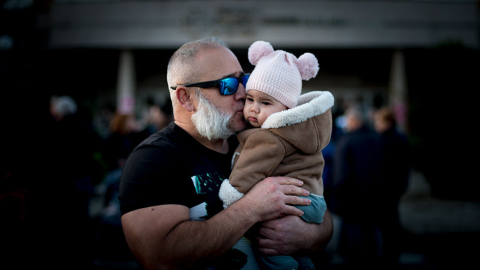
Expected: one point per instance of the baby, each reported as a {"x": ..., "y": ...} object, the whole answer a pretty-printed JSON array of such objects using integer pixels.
[{"x": 288, "y": 132}]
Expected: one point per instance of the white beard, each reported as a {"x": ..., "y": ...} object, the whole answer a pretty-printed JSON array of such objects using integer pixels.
[{"x": 211, "y": 122}]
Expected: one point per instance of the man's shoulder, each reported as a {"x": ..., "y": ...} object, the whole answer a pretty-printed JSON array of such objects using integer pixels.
[{"x": 170, "y": 137}]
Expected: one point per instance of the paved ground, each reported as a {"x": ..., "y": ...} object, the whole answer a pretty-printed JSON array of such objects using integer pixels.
[{"x": 440, "y": 234}]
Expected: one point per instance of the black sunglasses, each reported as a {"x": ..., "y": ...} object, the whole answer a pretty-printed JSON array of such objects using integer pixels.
[{"x": 227, "y": 86}]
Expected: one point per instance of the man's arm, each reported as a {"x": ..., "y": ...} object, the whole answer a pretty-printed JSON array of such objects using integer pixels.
[
  {"x": 288, "y": 234},
  {"x": 163, "y": 237}
]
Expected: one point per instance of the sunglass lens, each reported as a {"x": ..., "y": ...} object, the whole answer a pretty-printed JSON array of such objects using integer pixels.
[
  {"x": 228, "y": 86},
  {"x": 245, "y": 79}
]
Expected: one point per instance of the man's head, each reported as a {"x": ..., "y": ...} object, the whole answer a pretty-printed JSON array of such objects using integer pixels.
[
  {"x": 355, "y": 118},
  {"x": 62, "y": 106},
  {"x": 212, "y": 114},
  {"x": 383, "y": 119},
  {"x": 183, "y": 66}
]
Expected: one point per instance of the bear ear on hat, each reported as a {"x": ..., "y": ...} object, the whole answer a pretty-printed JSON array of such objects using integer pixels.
[
  {"x": 308, "y": 66},
  {"x": 257, "y": 50}
]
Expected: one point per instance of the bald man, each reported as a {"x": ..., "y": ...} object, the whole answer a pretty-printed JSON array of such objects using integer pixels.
[{"x": 171, "y": 214}]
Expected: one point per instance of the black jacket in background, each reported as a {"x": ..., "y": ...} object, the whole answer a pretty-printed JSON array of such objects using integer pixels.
[{"x": 357, "y": 175}]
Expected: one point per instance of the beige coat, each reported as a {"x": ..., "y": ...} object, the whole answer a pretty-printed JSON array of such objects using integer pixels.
[{"x": 289, "y": 143}]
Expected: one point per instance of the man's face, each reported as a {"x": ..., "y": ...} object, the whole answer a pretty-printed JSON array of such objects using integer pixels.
[
  {"x": 352, "y": 123},
  {"x": 380, "y": 124},
  {"x": 221, "y": 63}
]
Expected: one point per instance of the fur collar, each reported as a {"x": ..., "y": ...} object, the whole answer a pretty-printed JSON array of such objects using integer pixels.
[{"x": 309, "y": 105}]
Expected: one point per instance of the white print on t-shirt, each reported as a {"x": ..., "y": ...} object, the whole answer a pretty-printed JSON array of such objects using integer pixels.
[
  {"x": 194, "y": 180},
  {"x": 199, "y": 211}
]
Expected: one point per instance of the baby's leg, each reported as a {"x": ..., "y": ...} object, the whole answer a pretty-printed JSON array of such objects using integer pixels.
[
  {"x": 304, "y": 262},
  {"x": 314, "y": 212},
  {"x": 276, "y": 262}
]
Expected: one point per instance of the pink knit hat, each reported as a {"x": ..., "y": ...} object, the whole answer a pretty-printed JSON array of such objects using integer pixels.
[{"x": 279, "y": 74}]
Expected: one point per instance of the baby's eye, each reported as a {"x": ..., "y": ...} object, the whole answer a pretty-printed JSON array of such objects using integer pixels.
[
  {"x": 266, "y": 103},
  {"x": 249, "y": 99}
]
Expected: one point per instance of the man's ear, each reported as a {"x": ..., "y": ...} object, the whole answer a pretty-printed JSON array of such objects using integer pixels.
[{"x": 184, "y": 97}]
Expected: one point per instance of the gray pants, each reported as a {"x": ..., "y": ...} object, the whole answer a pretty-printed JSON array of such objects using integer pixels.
[{"x": 313, "y": 213}]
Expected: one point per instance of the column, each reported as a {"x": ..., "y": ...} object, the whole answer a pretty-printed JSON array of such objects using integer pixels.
[
  {"x": 398, "y": 96},
  {"x": 126, "y": 83}
]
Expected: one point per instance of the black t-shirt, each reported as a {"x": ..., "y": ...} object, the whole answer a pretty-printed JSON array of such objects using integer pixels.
[{"x": 171, "y": 167}]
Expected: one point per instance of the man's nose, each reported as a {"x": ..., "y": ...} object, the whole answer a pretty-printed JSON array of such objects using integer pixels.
[{"x": 241, "y": 93}]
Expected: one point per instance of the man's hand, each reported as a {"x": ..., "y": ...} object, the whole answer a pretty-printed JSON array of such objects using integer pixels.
[
  {"x": 273, "y": 197},
  {"x": 286, "y": 235}
]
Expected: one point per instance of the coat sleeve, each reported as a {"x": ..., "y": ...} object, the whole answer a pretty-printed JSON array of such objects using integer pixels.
[{"x": 261, "y": 154}]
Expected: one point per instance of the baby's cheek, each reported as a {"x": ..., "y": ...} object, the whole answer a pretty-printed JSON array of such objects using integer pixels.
[{"x": 245, "y": 112}]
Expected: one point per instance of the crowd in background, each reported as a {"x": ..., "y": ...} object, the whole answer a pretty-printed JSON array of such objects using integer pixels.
[
  {"x": 55, "y": 164},
  {"x": 69, "y": 158},
  {"x": 369, "y": 169}
]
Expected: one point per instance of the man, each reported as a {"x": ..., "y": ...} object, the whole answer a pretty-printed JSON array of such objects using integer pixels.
[
  {"x": 396, "y": 169},
  {"x": 171, "y": 214},
  {"x": 357, "y": 183}
]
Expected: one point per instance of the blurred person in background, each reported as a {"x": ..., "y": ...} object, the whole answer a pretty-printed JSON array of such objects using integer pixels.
[
  {"x": 328, "y": 152},
  {"x": 48, "y": 186},
  {"x": 102, "y": 119},
  {"x": 61, "y": 170},
  {"x": 172, "y": 216},
  {"x": 155, "y": 117},
  {"x": 357, "y": 183},
  {"x": 71, "y": 146},
  {"x": 61, "y": 107},
  {"x": 397, "y": 166},
  {"x": 124, "y": 137}
]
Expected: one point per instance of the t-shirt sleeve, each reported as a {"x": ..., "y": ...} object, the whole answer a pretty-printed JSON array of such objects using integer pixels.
[{"x": 154, "y": 176}]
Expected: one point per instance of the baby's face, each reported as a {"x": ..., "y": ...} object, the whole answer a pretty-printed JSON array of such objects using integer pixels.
[{"x": 259, "y": 106}]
